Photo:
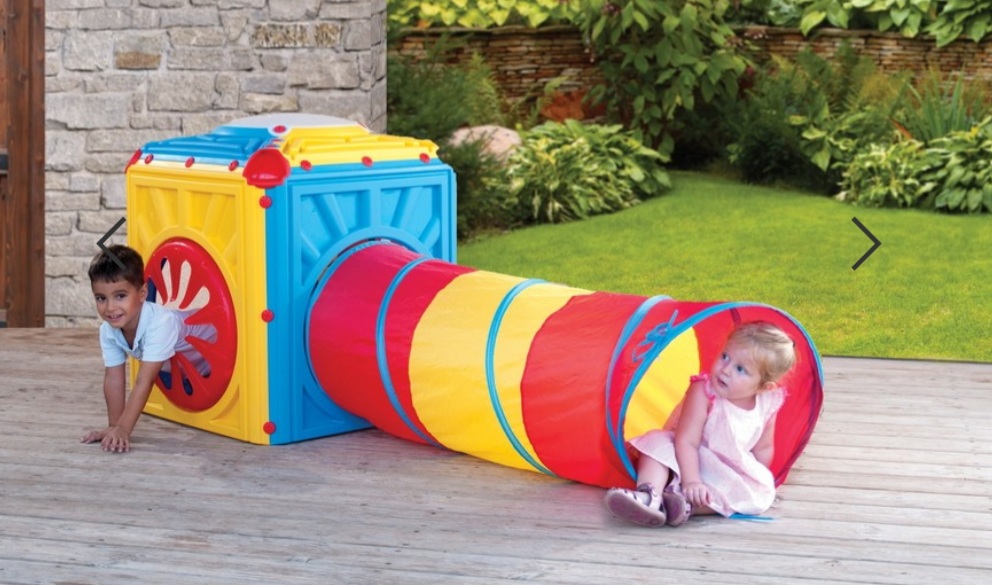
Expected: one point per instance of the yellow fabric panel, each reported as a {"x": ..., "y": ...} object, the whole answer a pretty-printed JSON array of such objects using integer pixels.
[
  {"x": 663, "y": 386},
  {"x": 521, "y": 322},
  {"x": 448, "y": 362}
]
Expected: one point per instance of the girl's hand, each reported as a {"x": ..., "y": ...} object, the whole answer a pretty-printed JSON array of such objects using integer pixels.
[
  {"x": 697, "y": 493},
  {"x": 116, "y": 440}
]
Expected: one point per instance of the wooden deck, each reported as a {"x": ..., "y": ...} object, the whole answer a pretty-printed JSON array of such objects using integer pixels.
[{"x": 895, "y": 487}]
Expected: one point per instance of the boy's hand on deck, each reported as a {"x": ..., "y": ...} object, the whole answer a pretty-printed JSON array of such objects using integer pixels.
[{"x": 116, "y": 440}]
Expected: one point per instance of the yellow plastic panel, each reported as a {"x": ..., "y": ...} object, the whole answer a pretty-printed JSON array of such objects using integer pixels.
[
  {"x": 350, "y": 144},
  {"x": 221, "y": 214}
]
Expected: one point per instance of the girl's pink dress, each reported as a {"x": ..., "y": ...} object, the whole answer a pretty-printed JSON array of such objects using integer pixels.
[{"x": 738, "y": 482}]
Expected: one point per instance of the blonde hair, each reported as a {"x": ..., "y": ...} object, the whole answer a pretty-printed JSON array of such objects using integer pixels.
[{"x": 773, "y": 351}]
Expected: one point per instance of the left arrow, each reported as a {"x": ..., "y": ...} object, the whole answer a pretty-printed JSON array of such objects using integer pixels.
[
  {"x": 872, "y": 237},
  {"x": 106, "y": 236}
]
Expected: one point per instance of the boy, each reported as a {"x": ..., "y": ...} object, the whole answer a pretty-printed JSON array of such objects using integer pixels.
[{"x": 148, "y": 332}]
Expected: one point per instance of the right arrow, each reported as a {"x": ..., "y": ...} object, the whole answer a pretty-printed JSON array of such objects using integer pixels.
[{"x": 871, "y": 236}]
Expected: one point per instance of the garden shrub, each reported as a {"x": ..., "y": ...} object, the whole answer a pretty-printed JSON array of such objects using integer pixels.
[
  {"x": 479, "y": 13},
  {"x": 963, "y": 174},
  {"x": 659, "y": 58},
  {"x": 766, "y": 146},
  {"x": 430, "y": 98},
  {"x": 951, "y": 173},
  {"x": 568, "y": 170},
  {"x": 812, "y": 112},
  {"x": 937, "y": 108},
  {"x": 890, "y": 175},
  {"x": 482, "y": 204}
]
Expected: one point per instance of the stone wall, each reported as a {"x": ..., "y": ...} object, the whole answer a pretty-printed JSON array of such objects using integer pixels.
[
  {"x": 890, "y": 51},
  {"x": 120, "y": 73},
  {"x": 524, "y": 60}
]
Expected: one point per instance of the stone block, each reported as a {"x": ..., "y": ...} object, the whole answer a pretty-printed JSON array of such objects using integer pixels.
[
  {"x": 110, "y": 162},
  {"x": 70, "y": 296},
  {"x": 99, "y": 223},
  {"x": 204, "y": 123},
  {"x": 69, "y": 201},
  {"x": 77, "y": 244},
  {"x": 282, "y": 36},
  {"x": 186, "y": 16},
  {"x": 80, "y": 182},
  {"x": 272, "y": 84},
  {"x": 352, "y": 105},
  {"x": 293, "y": 10},
  {"x": 357, "y": 35},
  {"x": 123, "y": 141},
  {"x": 327, "y": 35},
  {"x": 60, "y": 223},
  {"x": 87, "y": 111},
  {"x": 88, "y": 51},
  {"x": 201, "y": 36},
  {"x": 105, "y": 19},
  {"x": 182, "y": 92},
  {"x": 63, "y": 149},
  {"x": 347, "y": 10},
  {"x": 324, "y": 71},
  {"x": 228, "y": 87},
  {"x": 67, "y": 266},
  {"x": 254, "y": 103},
  {"x": 113, "y": 194}
]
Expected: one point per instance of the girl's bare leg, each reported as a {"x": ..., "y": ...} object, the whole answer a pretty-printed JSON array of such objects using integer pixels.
[{"x": 653, "y": 472}]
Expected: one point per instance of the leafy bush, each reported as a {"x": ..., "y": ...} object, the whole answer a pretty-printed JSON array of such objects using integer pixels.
[
  {"x": 970, "y": 18},
  {"x": 813, "y": 112},
  {"x": 890, "y": 176},
  {"x": 937, "y": 109},
  {"x": 658, "y": 58},
  {"x": 480, "y": 177},
  {"x": 963, "y": 173},
  {"x": 430, "y": 98},
  {"x": 478, "y": 13},
  {"x": 951, "y": 174},
  {"x": 946, "y": 20},
  {"x": 569, "y": 170}
]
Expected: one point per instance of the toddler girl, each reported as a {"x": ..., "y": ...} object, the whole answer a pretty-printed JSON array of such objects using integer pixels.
[{"x": 716, "y": 461}]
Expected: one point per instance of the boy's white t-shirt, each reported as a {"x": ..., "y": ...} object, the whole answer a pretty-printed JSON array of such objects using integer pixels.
[{"x": 161, "y": 334}]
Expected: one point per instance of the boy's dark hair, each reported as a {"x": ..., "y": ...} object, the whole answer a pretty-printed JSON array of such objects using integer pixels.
[{"x": 104, "y": 268}]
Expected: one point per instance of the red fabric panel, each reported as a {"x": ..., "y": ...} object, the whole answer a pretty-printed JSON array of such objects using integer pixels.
[
  {"x": 564, "y": 383},
  {"x": 342, "y": 335}
]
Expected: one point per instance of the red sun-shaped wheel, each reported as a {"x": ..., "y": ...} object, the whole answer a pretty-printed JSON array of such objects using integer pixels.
[{"x": 181, "y": 275}]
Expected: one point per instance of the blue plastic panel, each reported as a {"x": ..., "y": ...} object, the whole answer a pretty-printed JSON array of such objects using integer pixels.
[{"x": 315, "y": 216}]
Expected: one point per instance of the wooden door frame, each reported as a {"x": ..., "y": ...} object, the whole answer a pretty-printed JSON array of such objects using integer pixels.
[{"x": 23, "y": 203}]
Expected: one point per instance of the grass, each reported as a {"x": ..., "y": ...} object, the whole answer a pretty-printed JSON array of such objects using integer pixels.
[{"x": 925, "y": 293}]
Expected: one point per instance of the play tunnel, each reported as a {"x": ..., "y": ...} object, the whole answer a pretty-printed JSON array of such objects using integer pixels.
[{"x": 522, "y": 372}]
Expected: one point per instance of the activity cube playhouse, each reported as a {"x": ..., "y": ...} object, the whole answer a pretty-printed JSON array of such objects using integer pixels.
[{"x": 323, "y": 256}]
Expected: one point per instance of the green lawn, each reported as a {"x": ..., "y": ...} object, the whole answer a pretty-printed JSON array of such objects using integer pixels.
[{"x": 925, "y": 293}]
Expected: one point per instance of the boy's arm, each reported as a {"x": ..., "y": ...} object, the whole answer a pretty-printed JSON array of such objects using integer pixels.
[
  {"x": 119, "y": 435},
  {"x": 114, "y": 381}
]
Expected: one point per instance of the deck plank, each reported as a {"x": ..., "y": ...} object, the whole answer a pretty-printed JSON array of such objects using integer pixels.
[{"x": 894, "y": 488}]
